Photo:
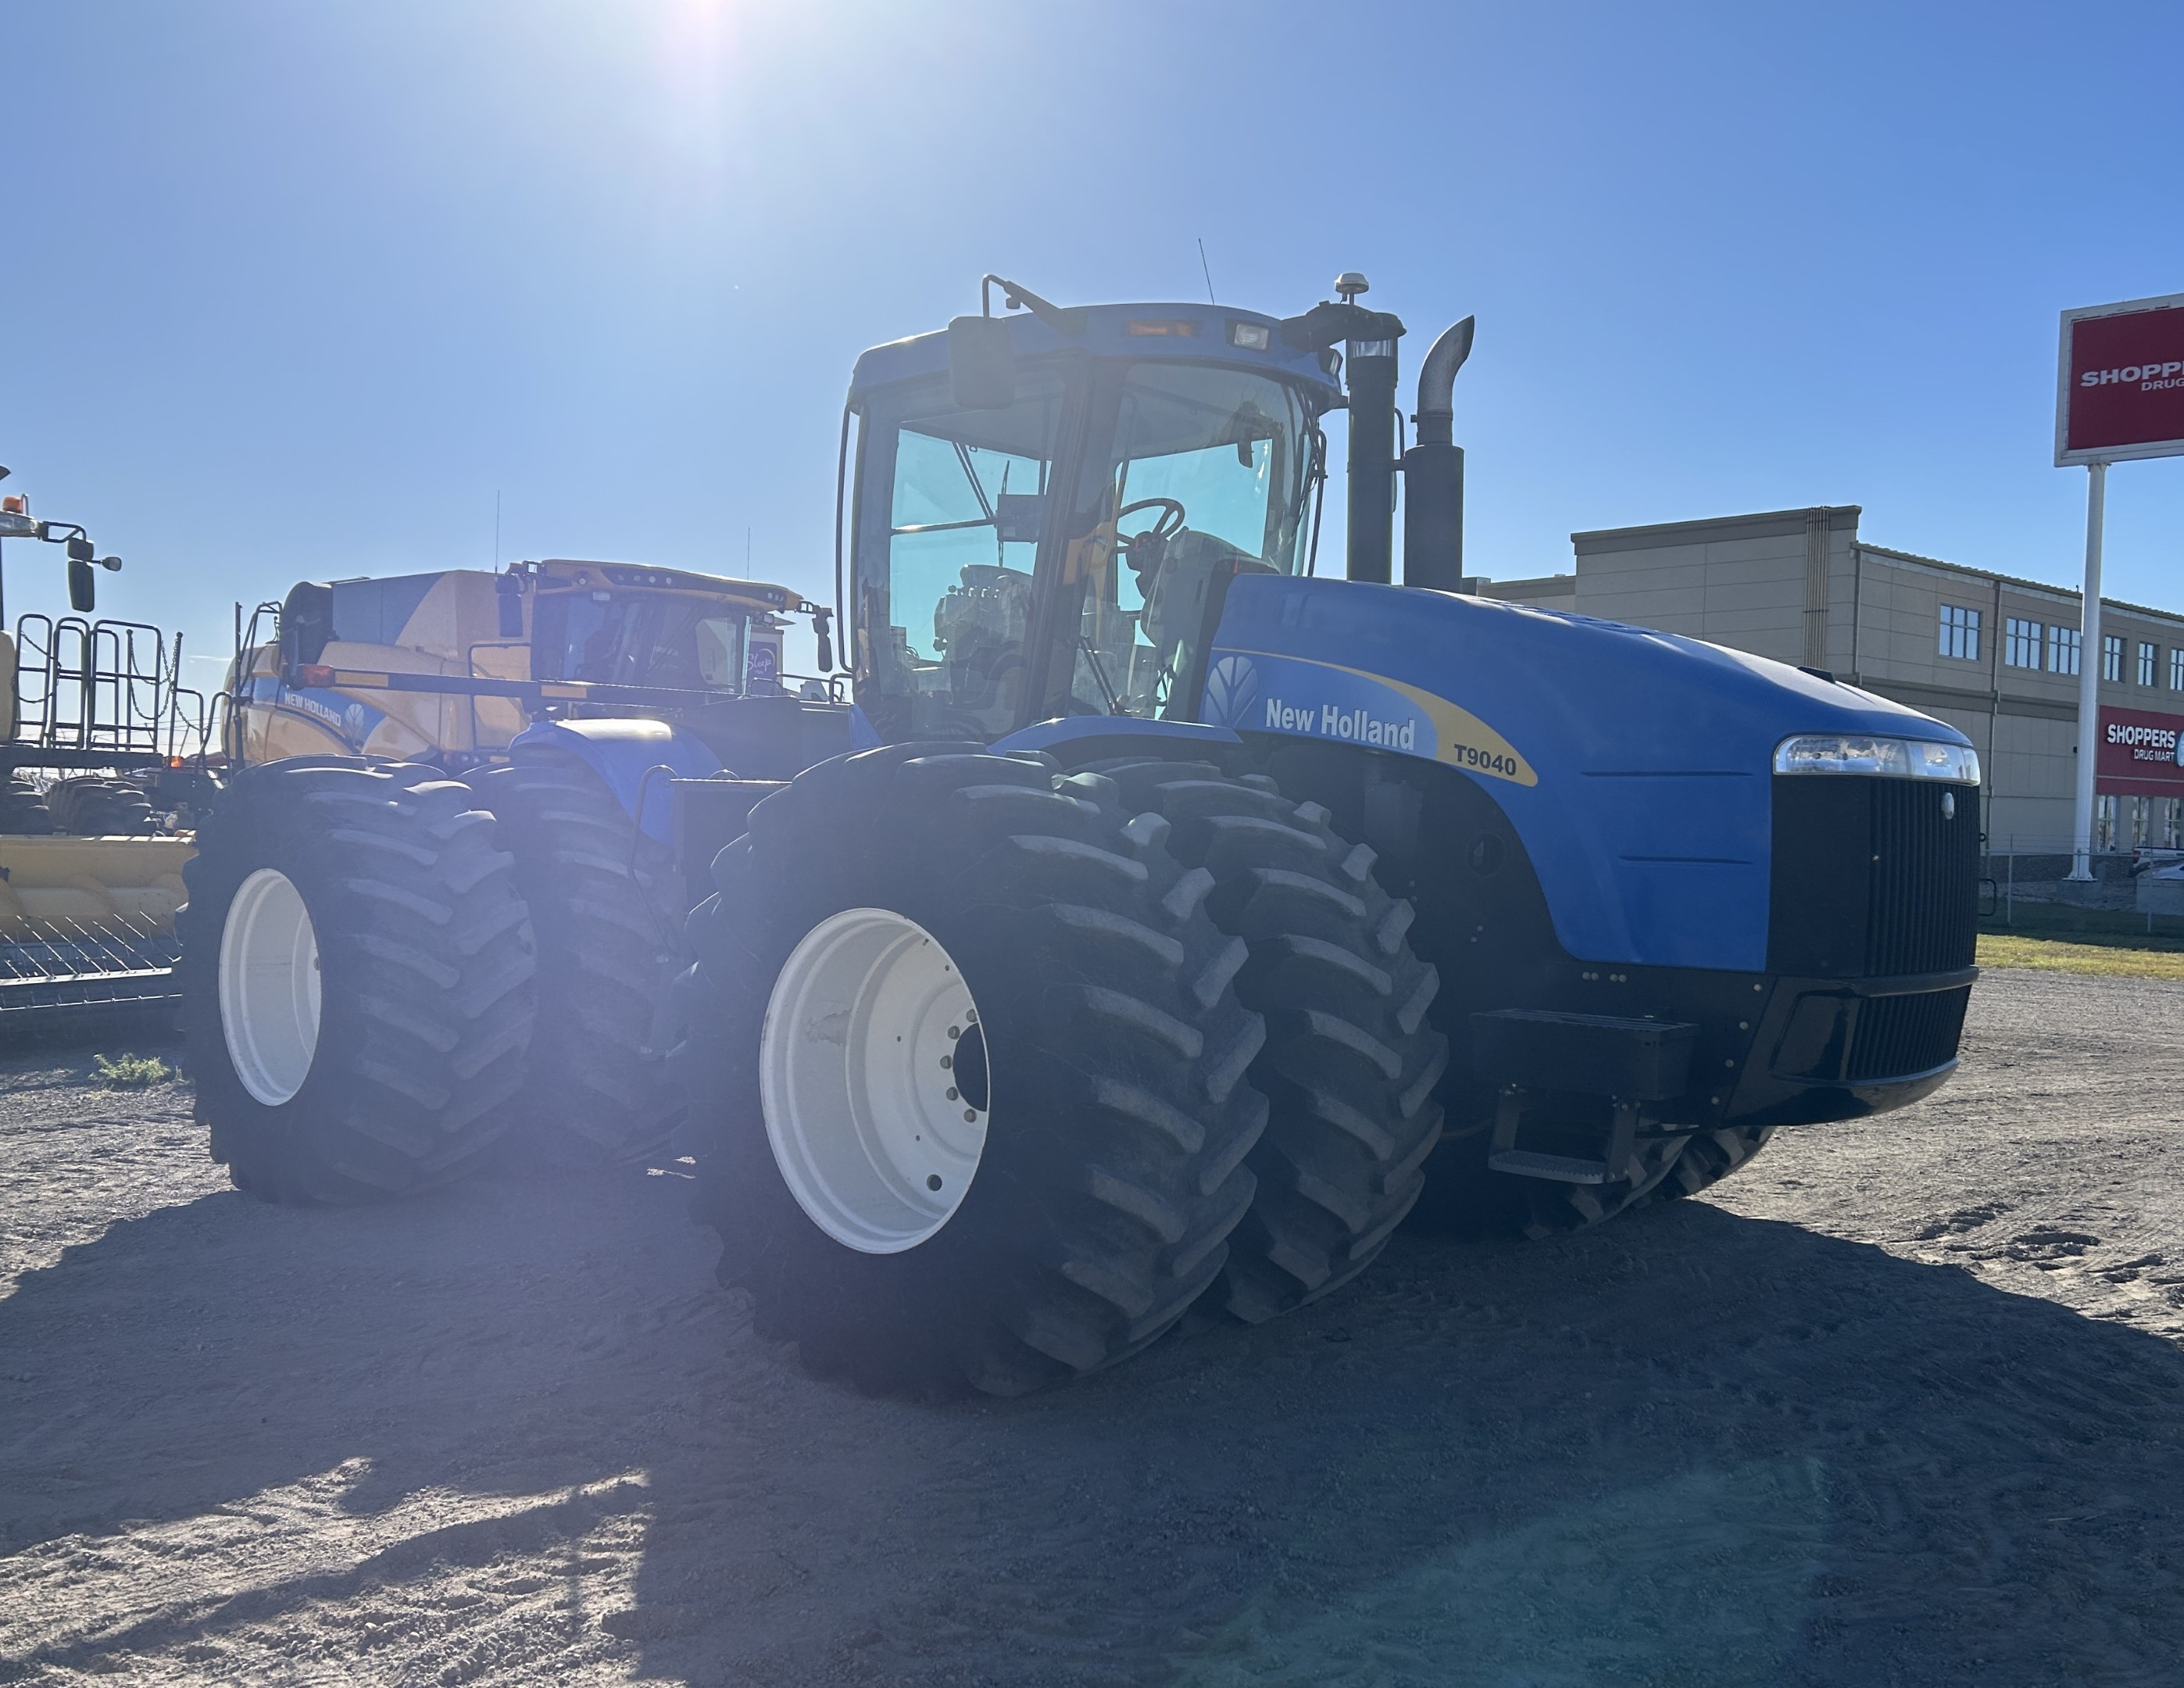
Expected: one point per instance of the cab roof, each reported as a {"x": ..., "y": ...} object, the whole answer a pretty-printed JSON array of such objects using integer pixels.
[
  {"x": 587, "y": 572},
  {"x": 1195, "y": 333}
]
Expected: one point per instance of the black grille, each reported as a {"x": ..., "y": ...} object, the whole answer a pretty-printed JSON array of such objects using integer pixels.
[
  {"x": 1873, "y": 877},
  {"x": 1898, "y": 1036},
  {"x": 1923, "y": 902}
]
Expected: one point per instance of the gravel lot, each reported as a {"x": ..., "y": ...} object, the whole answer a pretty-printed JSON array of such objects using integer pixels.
[{"x": 1901, "y": 1405}]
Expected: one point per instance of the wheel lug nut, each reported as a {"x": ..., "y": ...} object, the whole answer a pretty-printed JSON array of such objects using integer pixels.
[
  {"x": 947, "y": 1061},
  {"x": 933, "y": 1180},
  {"x": 952, "y": 1096},
  {"x": 954, "y": 1033}
]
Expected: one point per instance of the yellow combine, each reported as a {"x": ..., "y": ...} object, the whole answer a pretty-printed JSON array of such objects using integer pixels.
[
  {"x": 447, "y": 667},
  {"x": 108, "y": 765}
]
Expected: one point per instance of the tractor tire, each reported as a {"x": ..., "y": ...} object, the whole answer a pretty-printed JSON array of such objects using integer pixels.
[
  {"x": 355, "y": 979},
  {"x": 1465, "y": 1199},
  {"x": 23, "y": 809},
  {"x": 1351, "y": 1060},
  {"x": 1707, "y": 1159},
  {"x": 1098, "y": 1165},
  {"x": 607, "y": 908},
  {"x": 98, "y": 808}
]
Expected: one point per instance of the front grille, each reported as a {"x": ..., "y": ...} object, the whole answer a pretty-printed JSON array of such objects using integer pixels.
[
  {"x": 1898, "y": 1036},
  {"x": 1923, "y": 903},
  {"x": 1871, "y": 878}
]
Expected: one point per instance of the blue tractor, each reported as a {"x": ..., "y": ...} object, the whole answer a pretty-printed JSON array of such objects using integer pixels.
[
  {"x": 1152, "y": 919},
  {"x": 1194, "y": 918}
]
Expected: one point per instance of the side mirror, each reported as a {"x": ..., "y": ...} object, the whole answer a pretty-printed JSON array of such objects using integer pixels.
[
  {"x": 83, "y": 584},
  {"x": 822, "y": 626},
  {"x": 81, "y": 550},
  {"x": 982, "y": 363}
]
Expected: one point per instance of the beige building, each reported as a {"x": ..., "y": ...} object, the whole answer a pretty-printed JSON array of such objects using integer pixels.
[{"x": 1997, "y": 658}]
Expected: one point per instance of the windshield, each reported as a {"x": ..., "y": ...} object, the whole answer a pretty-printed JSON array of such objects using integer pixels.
[
  {"x": 1209, "y": 476},
  {"x": 1193, "y": 473},
  {"x": 639, "y": 640}
]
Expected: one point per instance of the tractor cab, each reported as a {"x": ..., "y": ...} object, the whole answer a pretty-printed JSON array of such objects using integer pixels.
[{"x": 1047, "y": 508}]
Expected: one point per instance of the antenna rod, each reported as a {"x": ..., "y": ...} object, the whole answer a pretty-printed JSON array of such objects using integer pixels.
[{"x": 1208, "y": 269}]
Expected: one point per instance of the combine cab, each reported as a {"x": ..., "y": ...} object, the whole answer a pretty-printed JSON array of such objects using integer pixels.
[{"x": 1154, "y": 921}]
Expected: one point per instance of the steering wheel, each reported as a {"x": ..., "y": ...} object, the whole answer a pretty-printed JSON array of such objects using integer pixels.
[{"x": 1166, "y": 528}]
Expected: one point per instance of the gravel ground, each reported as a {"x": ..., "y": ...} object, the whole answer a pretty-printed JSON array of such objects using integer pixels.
[{"x": 1900, "y": 1405}]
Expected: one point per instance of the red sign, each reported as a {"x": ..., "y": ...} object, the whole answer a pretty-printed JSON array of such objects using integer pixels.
[
  {"x": 2121, "y": 391},
  {"x": 2138, "y": 753}
]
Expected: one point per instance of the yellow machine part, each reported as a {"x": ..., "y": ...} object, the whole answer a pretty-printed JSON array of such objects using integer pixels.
[
  {"x": 6, "y": 685},
  {"x": 94, "y": 885},
  {"x": 452, "y": 627}
]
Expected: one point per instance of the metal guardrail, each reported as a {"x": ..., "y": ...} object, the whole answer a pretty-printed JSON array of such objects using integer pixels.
[{"x": 101, "y": 694}]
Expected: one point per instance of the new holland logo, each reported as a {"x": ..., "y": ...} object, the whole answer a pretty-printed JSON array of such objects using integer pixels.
[
  {"x": 1264, "y": 692},
  {"x": 1231, "y": 689}
]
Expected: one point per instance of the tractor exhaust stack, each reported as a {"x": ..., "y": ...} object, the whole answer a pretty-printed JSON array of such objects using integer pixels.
[{"x": 1433, "y": 471}]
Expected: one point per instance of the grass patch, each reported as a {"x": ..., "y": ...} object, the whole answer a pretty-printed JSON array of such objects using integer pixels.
[
  {"x": 130, "y": 1072},
  {"x": 2015, "y": 950},
  {"x": 2118, "y": 928}
]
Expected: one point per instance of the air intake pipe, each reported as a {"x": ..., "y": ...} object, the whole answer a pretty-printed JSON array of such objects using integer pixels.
[
  {"x": 1368, "y": 369},
  {"x": 1433, "y": 471},
  {"x": 1368, "y": 341}
]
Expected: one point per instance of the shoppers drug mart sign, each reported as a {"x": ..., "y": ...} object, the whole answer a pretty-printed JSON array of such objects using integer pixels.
[
  {"x": 2120, "y": 387},
  {"x": 2140, "y": 754}
]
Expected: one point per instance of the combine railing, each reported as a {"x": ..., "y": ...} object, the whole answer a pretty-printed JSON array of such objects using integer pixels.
[{"x": 101, "y": 694}]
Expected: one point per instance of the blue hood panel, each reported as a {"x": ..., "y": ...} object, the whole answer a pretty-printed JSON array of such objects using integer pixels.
[
  {"x": 1636, "y": 765},
  {"x": 623, "y": 751}
]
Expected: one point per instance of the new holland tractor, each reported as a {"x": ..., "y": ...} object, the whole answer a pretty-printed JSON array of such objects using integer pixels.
[{"x": 1157, "y": 921}]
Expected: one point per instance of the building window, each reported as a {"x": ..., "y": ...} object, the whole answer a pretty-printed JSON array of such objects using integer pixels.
[
  {"x": 2176, "y": 668},
  {"x": 2148, "y": 656},
  {"x": 1960, "y": 632},
  {"x": 2112, "y": 658},
  {"x": 2064, "y": 646},
  {"x": 2020, "y": 644}
]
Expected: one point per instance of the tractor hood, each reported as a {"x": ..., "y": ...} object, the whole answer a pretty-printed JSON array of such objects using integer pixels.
[{"x": 1637, "y": 766}]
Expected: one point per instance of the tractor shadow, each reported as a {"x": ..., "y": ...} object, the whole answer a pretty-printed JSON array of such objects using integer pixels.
[{"x": 1691, "y": 1448}]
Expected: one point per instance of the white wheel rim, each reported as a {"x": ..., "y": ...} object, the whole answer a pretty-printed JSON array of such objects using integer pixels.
[
  {"x": 876, "y": 1130},
  {"x": 268, "y": 986}
]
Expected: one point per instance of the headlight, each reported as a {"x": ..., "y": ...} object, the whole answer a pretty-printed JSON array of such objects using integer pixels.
[{"x": 1889, "y": 758}]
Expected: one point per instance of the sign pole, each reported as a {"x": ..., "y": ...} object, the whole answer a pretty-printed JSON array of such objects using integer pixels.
[{"x": 2090, "y": 660}]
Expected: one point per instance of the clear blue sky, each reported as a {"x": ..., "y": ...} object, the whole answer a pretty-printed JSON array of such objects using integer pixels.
[{"x": 293, "y": 290}]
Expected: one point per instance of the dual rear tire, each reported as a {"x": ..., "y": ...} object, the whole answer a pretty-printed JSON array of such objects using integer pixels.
[
  {"x": 975, "y": 1111},
  {"x": 385, "y": 972},
  {"x": 607, "y": 906},
  {"x": 356, "y": 981},
  {"x": 1000, "y": 1069}
]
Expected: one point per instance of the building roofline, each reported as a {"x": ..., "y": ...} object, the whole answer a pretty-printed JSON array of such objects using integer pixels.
[
  {"x": 1759, "y": 525},
  {"x": 2018, "y": 581}
]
